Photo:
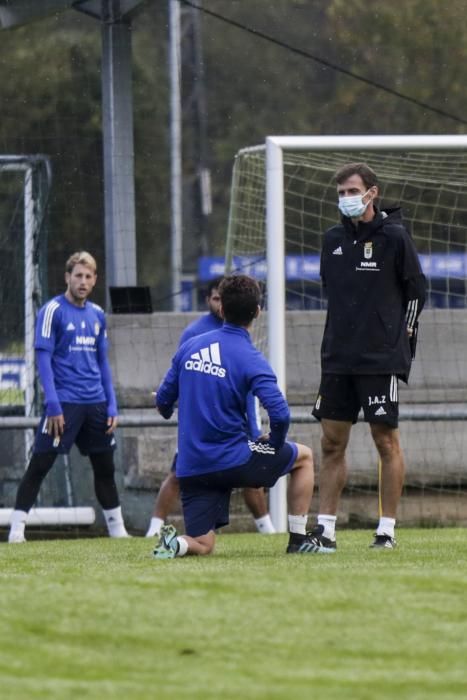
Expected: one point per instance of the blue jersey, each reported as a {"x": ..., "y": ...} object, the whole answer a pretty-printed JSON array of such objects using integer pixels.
[
  {"x": 76, "y": 338},
  {"x": 208, "y": 322},
  {"x": 211, "y": 376}
]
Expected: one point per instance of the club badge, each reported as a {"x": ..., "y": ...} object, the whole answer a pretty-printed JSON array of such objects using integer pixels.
[{"x": 368, "y": 250}]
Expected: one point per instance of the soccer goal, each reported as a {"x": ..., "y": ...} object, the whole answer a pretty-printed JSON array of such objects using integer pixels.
[
  {"x": 283, "y": 198},
  {"x": 24, "y": 188}
]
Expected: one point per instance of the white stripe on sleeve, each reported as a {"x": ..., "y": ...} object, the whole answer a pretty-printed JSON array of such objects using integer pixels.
[{"x": 48, "y": 316}]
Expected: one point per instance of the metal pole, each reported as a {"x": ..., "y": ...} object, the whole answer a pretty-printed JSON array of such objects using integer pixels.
[
  {"x": 276, "y": 301},
  {"x": 29, "y": 321},
  {"x": 175, "y": 154}
]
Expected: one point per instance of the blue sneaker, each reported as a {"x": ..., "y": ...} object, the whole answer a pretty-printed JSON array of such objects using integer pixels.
[{"x": 168, "y": 546}]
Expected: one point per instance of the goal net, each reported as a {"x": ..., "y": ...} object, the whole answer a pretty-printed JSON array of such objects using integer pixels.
[
  {"x": 283, "y": 198},
  {"x": 24, "y": 190}
]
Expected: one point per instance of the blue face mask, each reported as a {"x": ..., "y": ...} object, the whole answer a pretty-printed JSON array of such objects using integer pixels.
[{"x": 353, "y": 206}]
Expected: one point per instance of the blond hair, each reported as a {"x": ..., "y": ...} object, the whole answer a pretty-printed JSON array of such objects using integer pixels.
[{"x": 80, "y": 258}]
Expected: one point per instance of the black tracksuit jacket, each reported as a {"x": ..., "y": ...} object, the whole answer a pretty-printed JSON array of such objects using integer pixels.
[{"x": 376, "y": 290}]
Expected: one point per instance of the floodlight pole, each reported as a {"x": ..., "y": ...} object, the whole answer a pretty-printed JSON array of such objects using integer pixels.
[
  {"x": 117, "y": 124},
  {"x": 176, "y": 194}
]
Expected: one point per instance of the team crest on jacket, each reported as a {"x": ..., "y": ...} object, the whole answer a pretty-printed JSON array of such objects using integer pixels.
[
  {"x": 368, "y": 250},
  {"x": 96, "y": 328}
]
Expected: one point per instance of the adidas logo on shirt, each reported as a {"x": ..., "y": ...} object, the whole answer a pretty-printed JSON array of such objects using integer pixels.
[
  {"x": 207, "y": 361},
  {"x": 380, "y": 412},
  {"x": 337, "y": 251},
  {"x": 70, "y": 327}
]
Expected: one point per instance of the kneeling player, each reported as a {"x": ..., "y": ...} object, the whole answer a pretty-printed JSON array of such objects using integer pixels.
[{"x": 214, "y": 452}]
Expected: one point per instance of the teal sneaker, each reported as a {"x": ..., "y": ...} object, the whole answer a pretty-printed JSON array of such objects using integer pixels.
[{"x": 168, "y": 546}]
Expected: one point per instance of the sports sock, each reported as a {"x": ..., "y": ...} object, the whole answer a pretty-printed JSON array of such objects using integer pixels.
[
  {"x": 386, "y": 526},
  {"x": 17, "y": 525},
  {"x": 297, "y": 524},
  {"x": 264, "y": 525},
  {"x": 154, "y": 527},
  {"x": 114, "y": 522},
  {"x": 182, "y": 546},
  {"x": 329, "y": 524}
]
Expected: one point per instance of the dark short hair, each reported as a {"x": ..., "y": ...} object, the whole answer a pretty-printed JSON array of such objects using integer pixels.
[
  {"x": 240, "y": 298},
  {"x": 213, "y": 284},
  {"x": 368, "y": 175}
]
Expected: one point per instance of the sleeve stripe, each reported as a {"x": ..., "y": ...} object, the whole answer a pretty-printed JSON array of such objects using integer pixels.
[
  {"x": 48, "y": 316},
  {"x": 411, "y": 314}
]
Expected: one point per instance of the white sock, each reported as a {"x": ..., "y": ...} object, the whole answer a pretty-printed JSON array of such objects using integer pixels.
[
  {"x": 264, "y": 525},
  {"x": 329, "y": 524},
  {"x": 182, "y": 546},
  {"x": 114, "y": 522},
  {"x": 154, "y": 527},
  {"x": 297, "y": 524},
  {"x": 386, "y": 526},
  {"x": 17, "y": 525}
]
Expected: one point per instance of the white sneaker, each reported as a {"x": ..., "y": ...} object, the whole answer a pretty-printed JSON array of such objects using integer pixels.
[
  {"x": 16, "y": 537},
  {"x": 119, "y": 533}
]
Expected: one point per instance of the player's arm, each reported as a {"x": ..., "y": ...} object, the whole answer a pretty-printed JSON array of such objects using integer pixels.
[
  {"x": 413, "y": 286},
  {"x": 53, "y": 409},
  {"x": 167, "y": 394},
  {"x": 47, "y": 327},
  {"x": 264, "y": 386},
  {"x": 252, "y": 417},
  {"x": 106, "y": 378}
]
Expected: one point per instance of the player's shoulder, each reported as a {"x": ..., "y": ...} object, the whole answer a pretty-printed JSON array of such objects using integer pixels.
[
  {"x": 51, "y": 306},
  {"x": 334, "y": 232},
  {"x": 392, "y": 223},
  {"x": 204, "y": 324},
  {"x": 97, "y": 308}
]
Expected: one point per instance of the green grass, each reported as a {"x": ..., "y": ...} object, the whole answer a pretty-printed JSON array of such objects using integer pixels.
[
  {"x": 11, "y": 397},
  {"x": 101, "y": 619}
]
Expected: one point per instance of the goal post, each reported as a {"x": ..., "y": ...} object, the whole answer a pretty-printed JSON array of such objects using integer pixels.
[
  {"x": 23, "y": 209},
  {"x": 270, "y": 157}
]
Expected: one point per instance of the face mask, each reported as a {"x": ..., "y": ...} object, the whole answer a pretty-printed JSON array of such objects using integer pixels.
[{"x": 353, "y": 206}]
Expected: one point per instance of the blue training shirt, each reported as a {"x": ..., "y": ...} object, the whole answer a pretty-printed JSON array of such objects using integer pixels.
[
  {"x": 76, "y": 338},
  {"x": 211, "y": 376},
  {"x": 211, "y": 322}
]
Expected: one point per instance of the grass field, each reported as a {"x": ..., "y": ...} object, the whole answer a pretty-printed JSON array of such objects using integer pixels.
[{"x": 100, "y": 618}]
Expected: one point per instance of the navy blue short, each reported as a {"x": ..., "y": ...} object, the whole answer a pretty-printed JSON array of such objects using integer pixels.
[
  {"x": 85, "y": 426},
  {"x": 206, "y": 497}
]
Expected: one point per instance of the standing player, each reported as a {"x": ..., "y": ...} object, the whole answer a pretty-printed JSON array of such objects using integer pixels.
[
  {"x": 215, "y": 454},
  {"x": 80, "y": 404},
  {"x": 376, "y": 291},
  {"x": 169, "y": 492}
]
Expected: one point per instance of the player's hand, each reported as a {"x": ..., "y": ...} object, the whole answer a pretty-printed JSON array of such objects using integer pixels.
[
  {"x": 409, "y": 331},
  {"x": 263, "y": 438},
  {"x": 111, "y": 424},
  {"x": 56, "y": 425}
]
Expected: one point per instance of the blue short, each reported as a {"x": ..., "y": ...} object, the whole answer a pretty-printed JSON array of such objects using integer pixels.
[
  {"x": 206, "y": 497},
  {"x": 85, "y": 425}
]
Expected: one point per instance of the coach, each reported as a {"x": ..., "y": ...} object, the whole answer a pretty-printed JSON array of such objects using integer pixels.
[{"x": 376, "y": 290}]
